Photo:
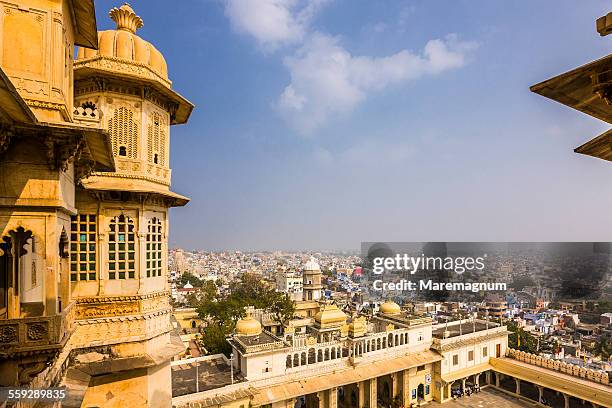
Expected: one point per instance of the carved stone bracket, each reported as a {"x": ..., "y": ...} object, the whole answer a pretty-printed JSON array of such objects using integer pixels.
[
  {"x": 7, "y": 131},
  {"x": 60, "y": 152}
]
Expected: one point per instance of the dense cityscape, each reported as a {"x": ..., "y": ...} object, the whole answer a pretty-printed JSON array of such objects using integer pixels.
[{"x": 97, "y": 311}]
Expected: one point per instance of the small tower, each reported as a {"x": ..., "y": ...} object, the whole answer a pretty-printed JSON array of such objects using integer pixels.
[
  {"x": 119, "y": 238},
  {"x": 312, "y": 281}
]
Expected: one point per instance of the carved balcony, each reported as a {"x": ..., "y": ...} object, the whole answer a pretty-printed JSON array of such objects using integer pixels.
[{"x": 36, "y": 335}]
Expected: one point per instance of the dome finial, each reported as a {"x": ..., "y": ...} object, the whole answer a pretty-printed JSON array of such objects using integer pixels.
[{"x": 126, "y": 18}]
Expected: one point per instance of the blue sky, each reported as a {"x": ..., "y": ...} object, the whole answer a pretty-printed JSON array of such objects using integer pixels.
[{"x": 323, "y": 123}]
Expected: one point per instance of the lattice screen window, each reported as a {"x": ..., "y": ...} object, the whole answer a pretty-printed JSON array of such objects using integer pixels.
[
  {"x": 83, "y": 238},
  {"x": 121, "y": 248},
  {"x": 156, "y": 140},
  {"x": 154, "y": 248},
  {"x": 123, "y": 130}
]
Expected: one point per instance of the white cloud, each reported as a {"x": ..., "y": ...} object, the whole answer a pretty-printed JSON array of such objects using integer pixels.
[
  {"x": 326, "y": 79},
  {"x": 272, "y": 22}
]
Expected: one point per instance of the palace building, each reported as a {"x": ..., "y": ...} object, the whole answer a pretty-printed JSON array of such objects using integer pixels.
[
  {"x": 334, "y": 359},
  {"x": 84, "y": 296}
]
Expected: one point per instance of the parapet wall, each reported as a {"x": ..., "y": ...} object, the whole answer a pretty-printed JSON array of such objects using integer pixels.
[{"x": 560, "y": 366}]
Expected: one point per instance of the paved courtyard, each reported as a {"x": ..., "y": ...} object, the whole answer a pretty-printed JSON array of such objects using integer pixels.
[{"x": 488, "y": 397}]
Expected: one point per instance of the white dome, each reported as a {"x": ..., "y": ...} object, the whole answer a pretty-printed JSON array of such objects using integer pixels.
[
  {"x": 312, "y": 265},
  {"x": 188, "y": 285}
]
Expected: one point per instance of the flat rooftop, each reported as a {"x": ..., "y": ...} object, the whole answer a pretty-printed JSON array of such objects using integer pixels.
[
  {"x": 262, "y": 338},
  {"x": 455, "y": 329},
  {"x": 212, "y": 373}
]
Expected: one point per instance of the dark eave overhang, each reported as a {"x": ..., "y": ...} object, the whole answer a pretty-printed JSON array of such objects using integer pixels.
[
  {"x": 13, "y": 109},
  {"x": 586, "y": 88},
  {"x": 85, "y": 27},
  {"x": 16, "y": 114},
  {"x": 600, "y": 147}
]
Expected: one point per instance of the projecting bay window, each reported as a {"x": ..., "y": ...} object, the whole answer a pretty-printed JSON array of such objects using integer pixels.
[
  {"x": 121, "y": 248},
  {"x": 83, "y": 237},
  {"x": 154, "y": 248}
]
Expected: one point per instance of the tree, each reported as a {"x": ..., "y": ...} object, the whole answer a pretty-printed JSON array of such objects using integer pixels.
[
  {"x": 528, "y": 342},
  {"x": 221, "y": 312},
  {"x": 192, "y": 279},
  {"x": 603, "y": 348},
  {"x": 282, "y": 309}
]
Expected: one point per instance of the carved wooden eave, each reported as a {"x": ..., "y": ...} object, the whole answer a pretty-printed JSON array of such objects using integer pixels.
[
  {"x": 85, "y": 26},
  {"x": 587, "y": 88},
  {"x": 600, "y": 147},
  {"x": 105, "y": 71}
]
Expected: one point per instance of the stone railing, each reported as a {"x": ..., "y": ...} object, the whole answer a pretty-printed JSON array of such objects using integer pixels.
[
  {"x": 28, "y": 333},
  {"x": 86, "y": 116},
  {"x": 560, "y": 366}
]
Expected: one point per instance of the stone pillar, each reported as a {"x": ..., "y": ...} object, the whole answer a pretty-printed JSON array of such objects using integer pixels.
[
  {"x": 332, "y": 397},
  {"x": 463, "y": 384},
  {"x": 488, "y": 377},
  {"x": 373, "y": 392},
  {"x": 518, "y": 386},
  {"x": 394, "y": 385},
  {"x": 541, "y": 393},
  {"x": 566, "y": 401},
  {"x": 321, "y": 399},
  {"x": 497, "y": 380},
  {"x": 141, "y": 261},
  {"x": 406, "y": 388},
  {"x": 361, "y": 387}
]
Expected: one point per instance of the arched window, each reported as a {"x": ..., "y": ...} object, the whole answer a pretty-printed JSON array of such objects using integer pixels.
[
  {"x": 123, "y": 130},
  {"x": 156, "y": 139},
  {"x": 83, "y": 247},
  {"x": 121, "y": 248},
  {"x": 154, "y": 248}
]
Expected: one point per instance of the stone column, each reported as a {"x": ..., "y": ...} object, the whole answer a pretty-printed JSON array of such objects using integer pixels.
[
  {"x": 373, "y": 392},
  {"x": 361, "y": 387},
  {"x": 497, "y": 380},
  {"x": 394, "y": 385},
  {"x": 406, "y": 387},
  {"x": 518, "y": 386},
  {"x": 566, "y": 401},
  {"x": 541, "y": 393},
  {"x": 332, "y": 397}
]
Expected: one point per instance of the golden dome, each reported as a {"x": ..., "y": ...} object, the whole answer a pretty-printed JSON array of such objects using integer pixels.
[
  {"x": 330, "y": 315},
  {"x": 123, "y": 44},
  {"x": 390, "y": 308},
  {"x": 248, "y": 326}
]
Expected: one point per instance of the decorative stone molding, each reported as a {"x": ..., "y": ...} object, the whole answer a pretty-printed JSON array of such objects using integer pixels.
[
  {"x": 122, "y": 66},
  {"x": 38, "y": 331},
  {"x": 114, "y": 306},
  {"x": 8, "y": 334}
]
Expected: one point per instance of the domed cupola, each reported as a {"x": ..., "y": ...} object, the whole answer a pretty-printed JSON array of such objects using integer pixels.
[
  {"x": 123, "y": 87},
  {"x": 124, "y": 46},
  {"x": 248, "y": 326},
  {"x": 390, "y": 308}
]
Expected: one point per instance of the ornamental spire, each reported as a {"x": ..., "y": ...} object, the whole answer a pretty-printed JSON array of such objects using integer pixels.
[{"x": 126, "y": 18}]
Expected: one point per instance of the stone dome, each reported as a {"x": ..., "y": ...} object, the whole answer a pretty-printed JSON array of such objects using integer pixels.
[
  {"x": 123, "y": 44},
  {"x": 312, "y": 265},
  {"x": 330, "y": 315},
  {"x": 390, "y": 308},
  {"x": 248, "y": 326}
]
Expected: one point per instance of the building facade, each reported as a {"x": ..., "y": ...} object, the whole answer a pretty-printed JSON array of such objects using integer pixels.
[{"x": 84, "y": 205}]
